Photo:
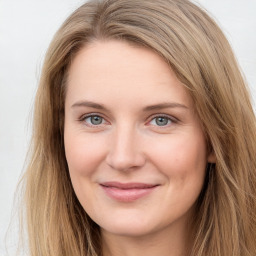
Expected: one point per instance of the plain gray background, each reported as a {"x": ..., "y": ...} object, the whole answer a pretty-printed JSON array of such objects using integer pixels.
[{"x": 26, "y": 28}]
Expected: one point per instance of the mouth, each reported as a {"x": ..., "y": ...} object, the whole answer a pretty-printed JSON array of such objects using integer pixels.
[{"x": 127, "y": 192}]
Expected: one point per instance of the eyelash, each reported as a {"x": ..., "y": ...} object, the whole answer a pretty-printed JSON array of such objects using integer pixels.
[{"x": 170, "y": 119}]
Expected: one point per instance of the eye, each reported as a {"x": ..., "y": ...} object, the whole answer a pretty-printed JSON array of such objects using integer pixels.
[
  {"x": 94, "y": 120},
  {"x": 161, "y": 121}
]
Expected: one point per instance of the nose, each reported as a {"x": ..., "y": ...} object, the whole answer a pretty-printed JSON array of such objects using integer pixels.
[{"x": 125, "y": 151}]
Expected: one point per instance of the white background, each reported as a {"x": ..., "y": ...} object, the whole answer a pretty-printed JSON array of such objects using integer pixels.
[{"x": 26, "y": 28}]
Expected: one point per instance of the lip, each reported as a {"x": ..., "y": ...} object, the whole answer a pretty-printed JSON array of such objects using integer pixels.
[{"x": 127, "y": 192}]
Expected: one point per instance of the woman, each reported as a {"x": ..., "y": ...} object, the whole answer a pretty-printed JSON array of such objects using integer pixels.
[{"x": 144, "y": 137}]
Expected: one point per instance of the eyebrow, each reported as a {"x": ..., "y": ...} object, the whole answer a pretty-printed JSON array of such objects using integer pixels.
[
  {"x": 164, "y": 105},
  {"x": 89, "y": 104},
  {"x": 146, "y": 109}
]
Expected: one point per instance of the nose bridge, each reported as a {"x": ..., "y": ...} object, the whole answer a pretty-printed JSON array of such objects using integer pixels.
[{"x": 125, "y": 151}]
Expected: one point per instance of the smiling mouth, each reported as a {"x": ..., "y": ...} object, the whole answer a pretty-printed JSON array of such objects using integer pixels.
[{"x": 127, "y": 192}]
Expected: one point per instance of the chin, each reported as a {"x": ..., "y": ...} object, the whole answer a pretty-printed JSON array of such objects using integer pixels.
[
  {"x": 131, "y": 230},
  {"x": 130, "y": 226}
]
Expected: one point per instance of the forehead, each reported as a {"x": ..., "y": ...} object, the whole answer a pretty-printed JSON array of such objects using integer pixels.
[{"x": 118, "y": 70}]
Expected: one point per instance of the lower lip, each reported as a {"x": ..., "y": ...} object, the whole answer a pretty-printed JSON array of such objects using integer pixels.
[{"x": 127, "y": 195}]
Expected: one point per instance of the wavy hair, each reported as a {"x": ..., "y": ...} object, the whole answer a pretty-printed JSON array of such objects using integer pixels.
[{"x": 197, "y": 51}]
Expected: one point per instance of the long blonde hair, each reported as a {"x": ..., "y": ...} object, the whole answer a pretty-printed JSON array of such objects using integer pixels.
[{"x": 198, "y": 52}]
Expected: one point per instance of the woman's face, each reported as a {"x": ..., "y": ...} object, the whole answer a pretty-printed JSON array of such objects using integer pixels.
[{"x": 134, "y": 146}]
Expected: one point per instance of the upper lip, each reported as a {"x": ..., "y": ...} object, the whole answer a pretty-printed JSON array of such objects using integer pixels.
[{"x": 131, "y": 185}]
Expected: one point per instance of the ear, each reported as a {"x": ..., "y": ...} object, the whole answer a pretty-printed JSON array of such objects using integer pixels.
[{"x": 211, "y": 158}]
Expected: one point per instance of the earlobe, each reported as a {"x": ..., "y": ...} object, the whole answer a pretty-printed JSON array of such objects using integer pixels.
[{"x": 211, "y": 158}]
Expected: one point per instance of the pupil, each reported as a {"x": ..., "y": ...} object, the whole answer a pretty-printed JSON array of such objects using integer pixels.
[
  {"x": 96, "y": 120},
  {"x": 161, "y": 121}
]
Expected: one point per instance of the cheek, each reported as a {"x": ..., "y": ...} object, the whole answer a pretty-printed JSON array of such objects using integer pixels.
[
  {"x": 181, "y": 157},
  {"x": 183, "y": 163},
  {"x": 83, "y": 153}
]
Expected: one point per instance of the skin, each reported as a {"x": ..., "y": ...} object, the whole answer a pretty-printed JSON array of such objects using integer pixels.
[{"x": 126, "y": 88}]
